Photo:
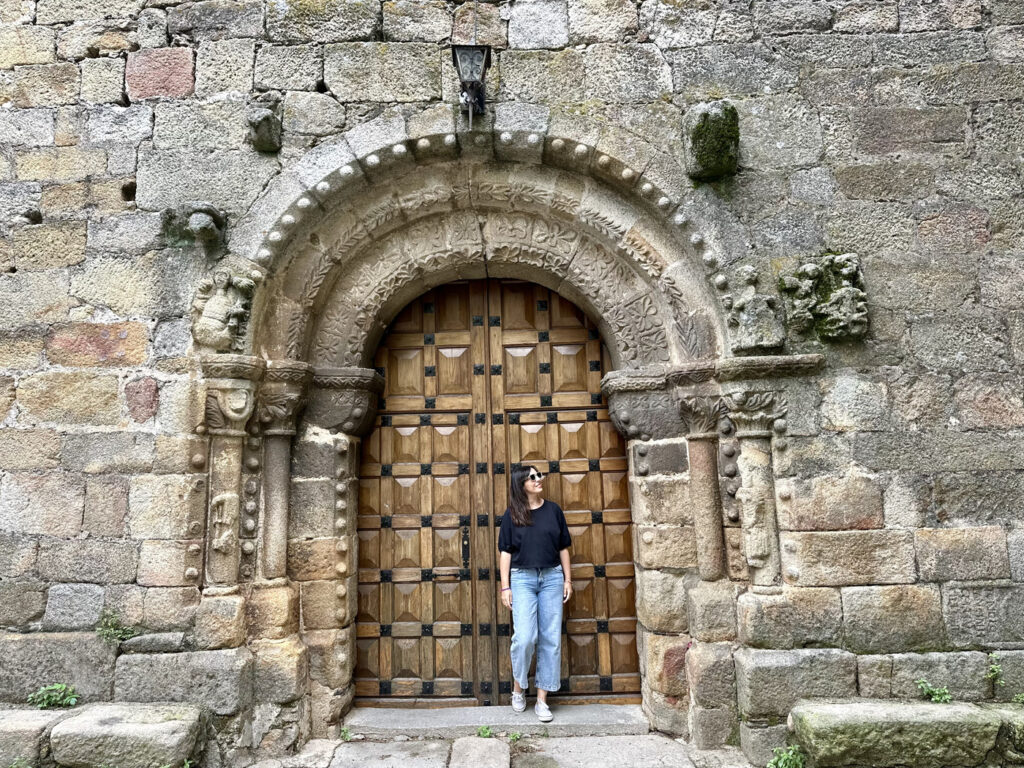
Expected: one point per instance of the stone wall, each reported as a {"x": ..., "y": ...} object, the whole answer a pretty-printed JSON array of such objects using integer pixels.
[{"x": 888, "y": 129}]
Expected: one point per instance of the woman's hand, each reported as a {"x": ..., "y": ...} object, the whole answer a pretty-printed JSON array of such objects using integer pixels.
[
  {"x": 566, "y": 591},
  {"x": 506, "y": 598}
]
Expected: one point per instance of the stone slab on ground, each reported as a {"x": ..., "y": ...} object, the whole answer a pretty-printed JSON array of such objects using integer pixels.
[
  {"x": 454, "y": 722},
  {"x": 405, "y": 754},
  {"x": 127, "y": 736},
  {"x": 22, "y": 734},
  {"x": 889, "y": 733},
  {"x": 652, "y": 751},
  {"x": 476, "y": 752}
]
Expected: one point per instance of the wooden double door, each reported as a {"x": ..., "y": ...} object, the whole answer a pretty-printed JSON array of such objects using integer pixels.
[{"x": 481, "y": 376}]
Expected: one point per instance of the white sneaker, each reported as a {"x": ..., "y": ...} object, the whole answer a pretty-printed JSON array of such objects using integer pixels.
[
  {"x": 518, "y": 702},
  {"x": 543, "y": 712}
]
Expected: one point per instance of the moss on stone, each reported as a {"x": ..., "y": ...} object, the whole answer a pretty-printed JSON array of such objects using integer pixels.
[{"x": 712, "y": 139}]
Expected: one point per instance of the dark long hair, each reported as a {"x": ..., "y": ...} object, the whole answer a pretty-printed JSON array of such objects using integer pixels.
[{"x": 518, "y": 503}]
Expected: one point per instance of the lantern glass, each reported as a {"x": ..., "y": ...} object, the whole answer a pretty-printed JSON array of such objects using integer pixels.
[{"x": 471, "y": 61}]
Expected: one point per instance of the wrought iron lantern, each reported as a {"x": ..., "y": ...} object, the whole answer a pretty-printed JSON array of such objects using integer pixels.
[{"x": 472, "y": 63}]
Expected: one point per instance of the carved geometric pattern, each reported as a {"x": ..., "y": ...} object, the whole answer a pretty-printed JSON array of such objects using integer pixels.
[{"x": 446, "y": 489}]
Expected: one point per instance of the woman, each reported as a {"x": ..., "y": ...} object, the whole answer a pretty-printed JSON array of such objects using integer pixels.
[{"x": 535, "y": 581}]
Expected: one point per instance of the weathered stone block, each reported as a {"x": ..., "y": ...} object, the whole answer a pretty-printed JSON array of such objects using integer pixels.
[
  {"x": 85, "y": 39},
  {"x": 831, "y": 503},
  {"x": 273, "y": 612},
  {"x": 70, "y": 398},
  {"x": 383, "y": 71},
  {"x": 289, "y": 67},
  {"x": 21, "y": 602},
  {"x": 417, "y": 20},
  {"x": 118, "y": 125},
  {"x": 29, "y": 127},
  {"x": 225, "y": 65},
  {"x": 77, "y": 658},
  {"x": 768, "y": 683},
  {"x": 73, "y": 606},
  {"x": 663, "y": 662},
  {"x": 963, "y": 673},
  {"x": 23, "y": 735},
  {"x": 483, "y": 22},
  {"x": 896, "y": 618},
  {"x": 221, "y": 680},
  {"x": 324, "y": 22},
  {"x": 214, "y": 124},
  {"x": 331, "y": 656},
  {"x": 127, "y": 736},
  {"x": 712, "y": 728},
  {"x": 539, "y": 24},
  {"x": 220, "y": 622},
  {"x": 759, "y": 742},
  {"x": 164, "y": 563},
  {"x": 778, "y": 132},
  {"x": 99, "y": 561},
  {"x": 661, "y": 600},
  {"x": 60, "y": 164},
  {"x": 542, "y": 77},
  {"x": 98, "y": 345},
  {"x": 316, "y": 114},
  {"x": 311, "y": 559},
  {"x": 170, "y": 609},
  {"x": 626, "y": 73},
  {"x": 665, "y": 547},
  {"x": 323, "y": 607},
  {"x": 142, "y": 396},
  {"x": 17, "y": 554},
  {"x": 848, "y": 557},
  {"x": 217, "y": 19},
  {"x": 231, "y": 179},
  {"x": 795, "y": 619},
  {"x": 713, "y": 71},
  {"x": 601, "y": 21},
  {"x": 48, "y": 246},
  {"x": 280, "y": 669},
  {"x": 29, "y": 449},
  {"x": 711, "y": 674},
  {"x": 160, "y": 72},
  {"x": 166, "y": 506},
  {"x": 711, "y": 607},
  {"x": 20, "y": 45},
  {"x": 855, "y": 403},
  {"x": 984, "y": 616},
  {"x": 661, "y": 500},
  {"x": 49, "y": 504},
  {"x": 903, "y": 733},
  {"x": 668, "y": 714},
  {"x": 946, "y": 554}
]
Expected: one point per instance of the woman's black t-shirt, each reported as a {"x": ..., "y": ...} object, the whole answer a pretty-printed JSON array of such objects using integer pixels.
[{"x": 536, "y": 545}]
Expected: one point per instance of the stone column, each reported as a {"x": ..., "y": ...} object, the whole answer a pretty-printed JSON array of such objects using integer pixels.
[
  {"x": 755, "y": 415},
  {"x": 701, "y": 415},
  {"x": 281, "y": 398},
  {"x": 230, "y": 389}
]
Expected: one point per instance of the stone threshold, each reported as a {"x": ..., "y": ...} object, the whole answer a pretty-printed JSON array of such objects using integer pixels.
[{"x": 454, "y": 722}]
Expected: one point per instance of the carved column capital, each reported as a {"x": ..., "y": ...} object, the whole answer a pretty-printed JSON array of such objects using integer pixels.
[
  {"x": 282, "y": 395},
  {"x": 230, "y": 392},
  {"x": 701, "y": 414},
  {"x": 757, "y": 414},
  {"x": 640, "y": 403},
  {"x": 345, "y": 399}
]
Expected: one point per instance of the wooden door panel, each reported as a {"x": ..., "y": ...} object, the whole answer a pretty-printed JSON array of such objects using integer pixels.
[{"x": 479, "y": 377}]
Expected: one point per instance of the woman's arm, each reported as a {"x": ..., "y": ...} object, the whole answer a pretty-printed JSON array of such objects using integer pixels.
[
  {"x": 566, "y": 574},
  {"x": 505, "y": 567}
]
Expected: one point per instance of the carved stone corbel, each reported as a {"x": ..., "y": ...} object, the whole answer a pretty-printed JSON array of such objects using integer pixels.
[
  {"x": 345, "y": 399},
  {"x": 641, "y": 404},
  {"x": 281, "y": 398},
  {"x": 756, "y": 415},
  {"x": 230, "y": 398},
  {"x": 701, "y": 414}
]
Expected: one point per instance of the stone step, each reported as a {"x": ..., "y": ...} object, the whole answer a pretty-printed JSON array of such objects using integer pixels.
[
  {"x": 884, "y": 733},
  {"x": 453, "y": 722},
  {"x": 127, "y": 736},
  {"x": 24, "y": 734},
  {"x": 652, "y": 751}
]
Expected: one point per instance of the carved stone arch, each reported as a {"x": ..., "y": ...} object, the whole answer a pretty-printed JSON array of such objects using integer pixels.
[{"x": 350, "y": 272}]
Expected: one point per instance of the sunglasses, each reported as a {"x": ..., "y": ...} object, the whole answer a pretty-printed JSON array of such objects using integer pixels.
[{"x": 535, "y": 476}]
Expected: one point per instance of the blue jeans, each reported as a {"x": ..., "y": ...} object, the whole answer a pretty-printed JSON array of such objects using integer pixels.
[{"x": 537, "y": 620}]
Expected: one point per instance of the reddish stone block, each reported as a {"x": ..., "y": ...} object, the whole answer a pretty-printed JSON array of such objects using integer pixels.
[
  {"x": 143, "y": 397},
  {"x": 95, "y": 344},
  {"x": 155, "y": 72}
]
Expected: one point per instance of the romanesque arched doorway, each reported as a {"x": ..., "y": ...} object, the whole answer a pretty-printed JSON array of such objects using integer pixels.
[{"x": 481, "y": 375}]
